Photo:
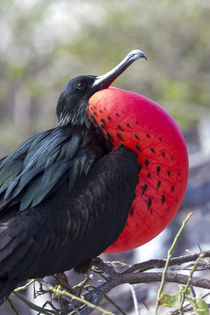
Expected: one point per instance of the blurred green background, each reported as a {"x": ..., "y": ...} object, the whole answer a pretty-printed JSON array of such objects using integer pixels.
[{"x": 43, "y": 43}]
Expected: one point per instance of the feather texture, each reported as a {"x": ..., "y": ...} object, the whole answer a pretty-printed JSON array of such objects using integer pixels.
[
  {"x": 68, "y": 229},
  {"x": 32, "y": 172}
]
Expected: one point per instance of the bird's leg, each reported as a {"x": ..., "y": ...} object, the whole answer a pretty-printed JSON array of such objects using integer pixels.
[
  {"x": 105, "y": 267},
  {"x": 83, "y": 267}
]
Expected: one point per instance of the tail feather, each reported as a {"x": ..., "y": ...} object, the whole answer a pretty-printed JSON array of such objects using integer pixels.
[
  {"x": 6, "y": 287},
  {"x": 14, "y": 244}
]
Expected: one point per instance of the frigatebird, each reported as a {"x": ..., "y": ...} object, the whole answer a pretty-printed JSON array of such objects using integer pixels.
[{"x": 110, "y": 176}]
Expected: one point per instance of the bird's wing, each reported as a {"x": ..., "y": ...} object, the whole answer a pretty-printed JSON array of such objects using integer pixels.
[
  {"x": 66, "y": 230},
  {"x": 41, "y": 164}
]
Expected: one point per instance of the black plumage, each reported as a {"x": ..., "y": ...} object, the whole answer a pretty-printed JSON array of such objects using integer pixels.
[{"x": 65, "y": 194}]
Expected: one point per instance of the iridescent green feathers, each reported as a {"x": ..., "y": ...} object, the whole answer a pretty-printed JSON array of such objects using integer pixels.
[{"x": 32, "y": 172}]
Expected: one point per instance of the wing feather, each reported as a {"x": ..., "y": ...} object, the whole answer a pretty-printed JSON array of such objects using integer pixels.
[
  {"x": 38, "y": 167},
  {"x": 68, "y": 229}
]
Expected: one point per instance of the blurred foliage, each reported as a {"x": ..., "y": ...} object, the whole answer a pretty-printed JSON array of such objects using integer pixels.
[{"x": 46, "y": 42}]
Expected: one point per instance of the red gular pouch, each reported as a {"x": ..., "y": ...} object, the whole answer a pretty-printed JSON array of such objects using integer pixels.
[{"x": 144, "y": 126}]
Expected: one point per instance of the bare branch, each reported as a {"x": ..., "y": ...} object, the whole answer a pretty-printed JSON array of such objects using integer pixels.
[
  {"x": 133, "y": 275},
  {"x": 96, "y": 295},
  {"x": 160, "y": 263}
]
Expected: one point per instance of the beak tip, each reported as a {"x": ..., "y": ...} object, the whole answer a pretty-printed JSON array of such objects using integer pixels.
[
  {"x": 136, "y": 54},
  {"x": 105, "y": 80}
]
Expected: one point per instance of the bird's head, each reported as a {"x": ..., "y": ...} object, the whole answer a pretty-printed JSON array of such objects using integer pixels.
[{"x": 73, "y": 101}]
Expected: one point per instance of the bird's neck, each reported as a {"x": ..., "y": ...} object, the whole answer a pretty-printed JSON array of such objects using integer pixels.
[{"x": 91, "y": 134}]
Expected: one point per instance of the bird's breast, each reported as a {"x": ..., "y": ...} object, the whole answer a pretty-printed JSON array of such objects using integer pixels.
[{"x": 143, "y": 126}]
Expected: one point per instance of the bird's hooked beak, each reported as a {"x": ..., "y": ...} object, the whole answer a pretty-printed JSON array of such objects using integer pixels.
[{"x": 105, "y": 80}]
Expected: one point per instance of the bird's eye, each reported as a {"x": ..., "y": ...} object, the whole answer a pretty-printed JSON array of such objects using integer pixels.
[{"x": 80, "y": 86}]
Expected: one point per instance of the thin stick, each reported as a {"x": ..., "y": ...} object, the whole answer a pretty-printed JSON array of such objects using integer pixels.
[
  {"x": 114, "y": 304},
  {"x": 32, "y": 305},
  {"x": 168, "y": 261},
  {"x": 81, "y": 300},
  {"x": 24, "y": 286},
  {"x": 12, "y": 307},
  {"x": 188, "y": 283},
  {"x": 135, "y": 301}
]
